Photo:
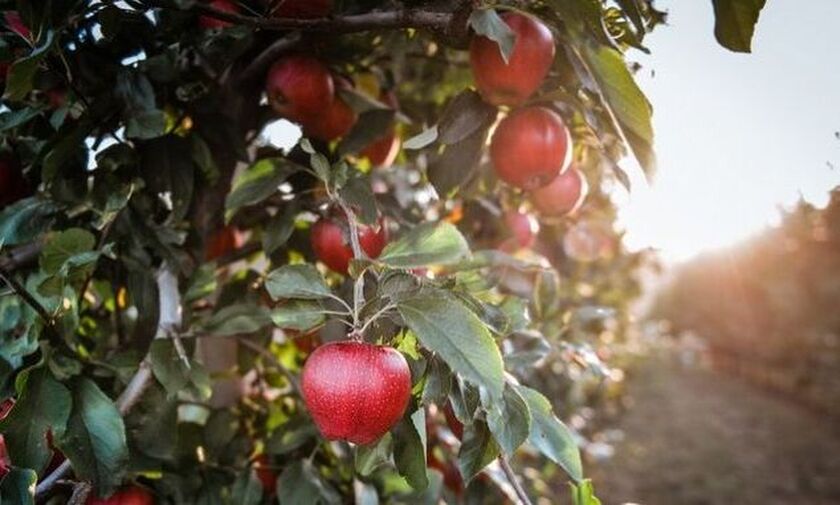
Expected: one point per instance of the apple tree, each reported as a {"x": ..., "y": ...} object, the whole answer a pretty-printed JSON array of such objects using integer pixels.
[{"x": 200, "y": 308}]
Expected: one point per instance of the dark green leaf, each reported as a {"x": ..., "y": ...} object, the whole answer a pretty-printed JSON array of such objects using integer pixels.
[
  {"x": 509, "y": 420},
  {"x": 371, "y": 126},
  {"x": 291, "y": 436},
  {"x": 168, "y": 169},
  {"x": 372, "y": 457},
  {"x": 358, "y": 194},
  {"x": 145, "y": 125},
  {"x": 21, "y": 75},
  {"x": 735, "y": 23},
  {"x": 24, "y": 220},
  {"x": 64, "y": 245},
  {"x": 95, "y": 441},
  {"x": 550, "y": 435},
  {"x": 18, "y": 487},
  {"x": 256, "y": 184},
  {"x": 410, "y": 449},
  {"x": 478, "y": 449},
  {"x": 238, "y": 319},
  {"x": 44, "y": 404},
  {"x": 445, "y": 326},
  {"x": 15, "y": 118},
  {"x": 458, "y": 164},
  {"x": 298, "y": 315},
  {"x": 422, "y": 139},
  {"x": 300, "y": 484},
  {"x": 296, "y": 281},
  {"x": 279, "y": 228},
  {"x": 464, "y": 115},
  {"x": 487, "y": 23},
  {"x": 426, "y": 244},
  {"x": 247, "y": 489}
]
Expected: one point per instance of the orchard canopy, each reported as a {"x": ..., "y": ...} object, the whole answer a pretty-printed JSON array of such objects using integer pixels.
[{"x": 399, "y": 308}]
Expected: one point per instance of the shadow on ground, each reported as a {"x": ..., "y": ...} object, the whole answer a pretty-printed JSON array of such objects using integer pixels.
[{"x": 695, "y": 437}]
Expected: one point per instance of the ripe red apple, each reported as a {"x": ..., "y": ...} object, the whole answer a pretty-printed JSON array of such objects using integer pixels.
[
  {"x": 303, "y": 9},
  {"x": 331, "y": 242},
  {"x": 15, "y": 23},
  {"x": 209, "y": 22},
  {"x": 13, "y": 186},
  {"x": 531, "y": 147},
  {"x": 512, "y": 83},
  {"x": 356, "y": 391},
  {"x": 300, "y": 87},
  {"x": 561, "y": 196},
  {"x": 522, "y": 228},
  {"x": 267, "y": 476},
  {"x": 133, "y": 495},
  {"x": 56, "y": 97},
  {"x": 334, "y": 122},
  {"x": 5, "y": 462},
  {"x": 223, "y": 242}
]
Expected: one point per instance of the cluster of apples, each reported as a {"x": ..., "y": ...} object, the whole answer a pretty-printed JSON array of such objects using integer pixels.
[{"x": 531, "y": 148}]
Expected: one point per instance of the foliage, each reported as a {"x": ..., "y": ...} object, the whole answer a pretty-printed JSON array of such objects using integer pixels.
[{"x": 141, "y": 353}]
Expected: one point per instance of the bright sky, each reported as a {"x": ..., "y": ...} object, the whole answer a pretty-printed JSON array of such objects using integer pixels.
[{"x": 737, "y": 135}]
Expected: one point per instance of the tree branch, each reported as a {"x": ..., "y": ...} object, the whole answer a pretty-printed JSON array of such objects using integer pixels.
[
  {"x": 511, "y": 476},
  {"x": 21, "y": 291},
  {"x": 170, "y": 318}
]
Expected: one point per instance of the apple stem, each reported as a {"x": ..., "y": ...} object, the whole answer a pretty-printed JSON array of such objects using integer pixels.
[
  {"x": 358, "y": 253},
  {"x": 514, "y": 481}
]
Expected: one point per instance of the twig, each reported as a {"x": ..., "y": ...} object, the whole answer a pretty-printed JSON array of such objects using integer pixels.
[
  {"x": 511, "y": 476},
  {"x": 257, "y": 68},
  {"x": 358, "y": 253},
  {"x": 21, "y": 291},
  {"x": 170, "y": 318},
  {"x": 376, "y": 316},
  {"x": 275, "y": 362}
]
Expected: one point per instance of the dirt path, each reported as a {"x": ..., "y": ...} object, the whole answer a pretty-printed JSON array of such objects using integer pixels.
[{"x": 694, "y": 437}]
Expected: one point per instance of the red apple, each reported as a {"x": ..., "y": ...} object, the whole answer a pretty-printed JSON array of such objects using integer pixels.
[
  {"x": 132, "y": 495},
  {"x": 513, "y": 82},
  {"x": 15, "y": 23},
  {"x": 451, "y": 475},
  {"x": 334, "y": 122},
  {"x": 56, "y": 97},
  {"x": 223, "y": 242},
  {"x": 300, "y": 88},
  {"x": 209, "y": 22},
  {"x": 561, "y": 196},
  {"x": 267, "y": 476},
  {"x": 13, "y": 186},
  {"x": 530, "y": 147},
  {"x": 522, "y": 227},
  {"x": 5, "y": 462},
  {"x": 331, "y": 242},
  {"x": 356, "y": 391},
  {"x": 303, "y": 9}
]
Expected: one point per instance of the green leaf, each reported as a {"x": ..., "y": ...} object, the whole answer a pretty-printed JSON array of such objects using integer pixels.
[
  {"x": 298, "y": 315},
  {"x": 15, "y": 118},
  {"x": 735, "y": 23},
  {"x": 296, "y": 281},
  {"x": 167, "y": 366},
  {"x": 65, "y": 245},
  {"x": 410, "y": 449},
  {"x": 168, "y": 169},
  {"x": 509, "y": 420},
  {"x": 446, "y": 327},
  {"x": 238, "y": 319},
  {"x": 18, "y": 487},
  {"x": 550, "y": 435},
  {"x": 633, "y": 11},
  {"x": 247, "y": 489},
  {"x": 489, "y": 24},
  {"x": 291, "y": 436},
  {"x": 464, "y": 115},
  {"x": 370, "y": 458},
  {"x": 426, "y": 244},
  {"x": 95, "y": 441},
  {"x": 279, "y": 228},
  {"x": 21, "y": 75},
  {"x": 357, "y": 193},
  {"x": 628, "y": 104},
  {"x": 24, "y": 220},
  {"x": 584, "y": 493},
  {"x": 422, "y": 139},
  {"x": 256, "y": 184},
  {"x": 300, "y": 484},
  {"x": 459, "y": 163},
  {"x": 203, "y": 283},
  {"x": 44, "y": 404},
  {"x": 478, "y": 449},
  {"x": 145, "y": 125},
  {"x": 371, "y": 126}
]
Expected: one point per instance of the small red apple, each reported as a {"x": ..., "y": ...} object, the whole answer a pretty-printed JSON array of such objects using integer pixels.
[
  {"x": 267, "y": 476},
  {"x": 522, "y": 227},
  {"x": 561, "y": 196},
  {"x": 331, "y": 242},
  {"x": 334, "y": 122},
  {"x": 15, "y": 23},
  {"x": 13, "y": 186},
  {"x": 209, "y": 22},
  {"x": 300, "y": 87},
  {"x": 356, "y": 391},
  {"x": 512, "y": 83},
  {"x": 56, "y": 97},
  {"x": 303, "y": 9},
  {"x": 224, "y": 241},
  {"x": 5, "y": 462},
  {"x": 132, "y": 495},
  {"x": 531, "y": 147}
]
